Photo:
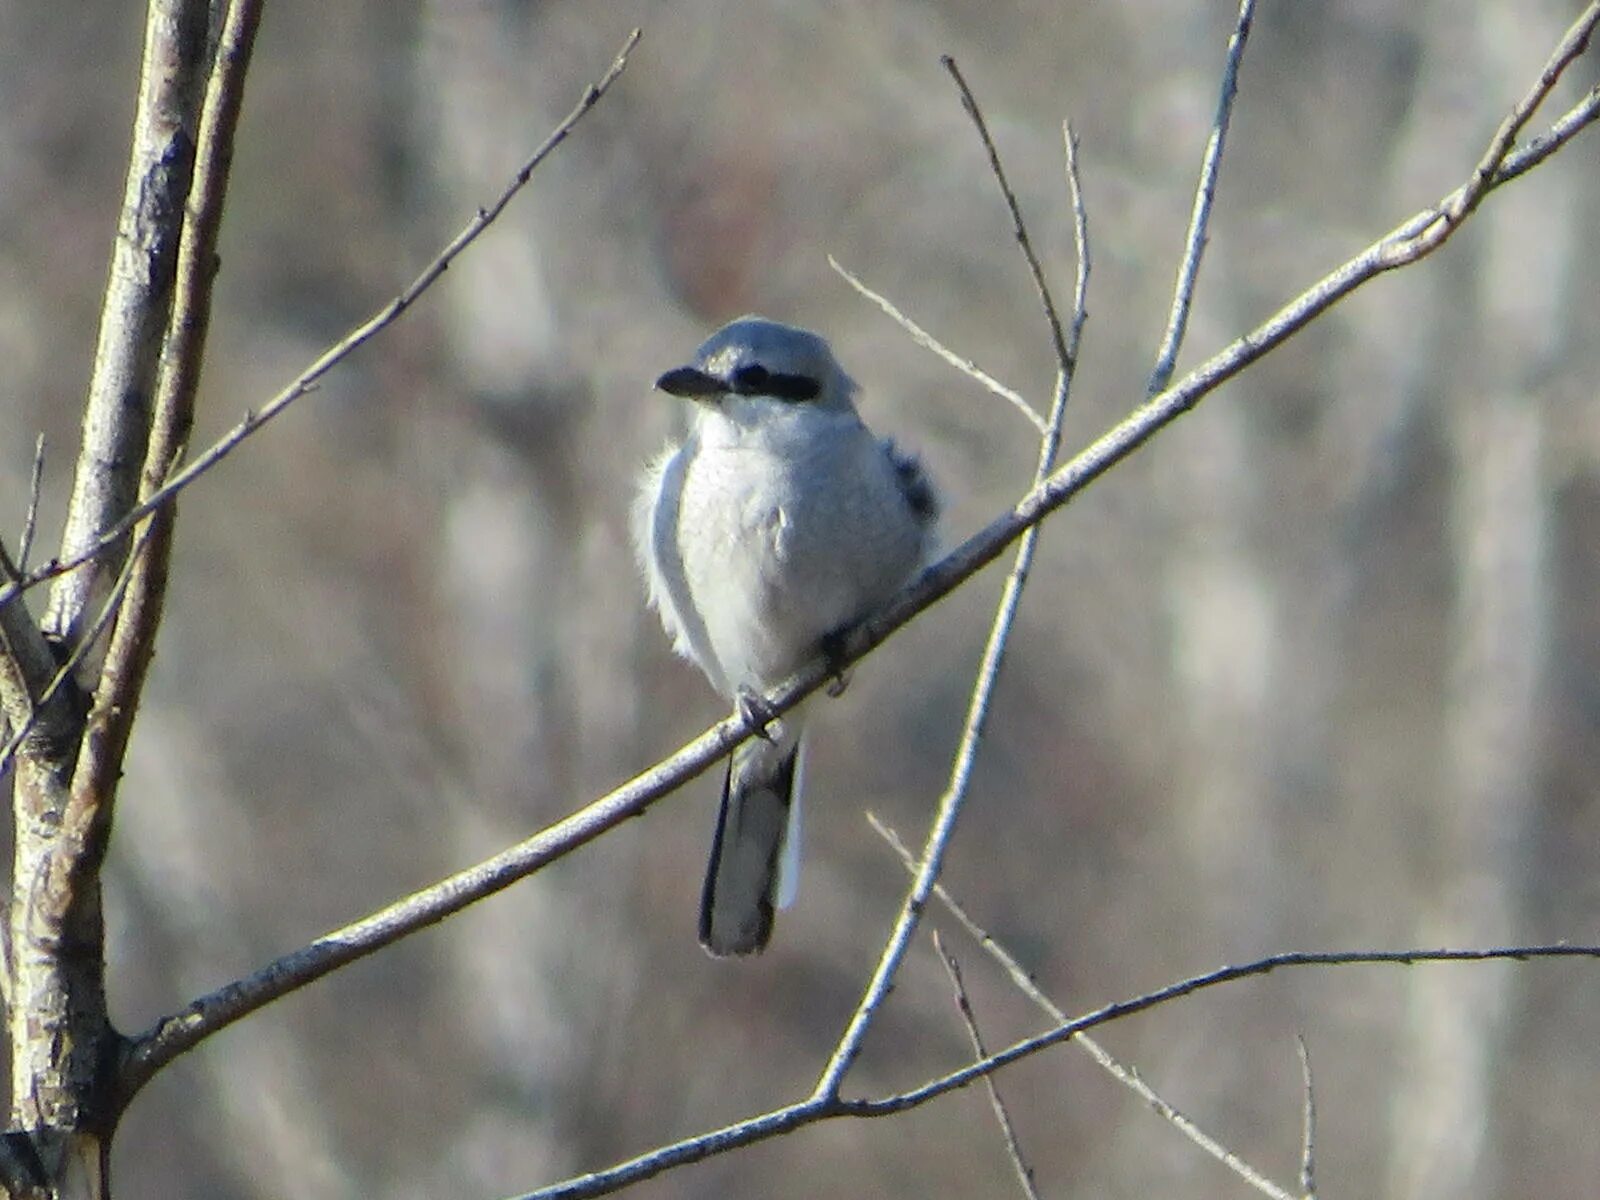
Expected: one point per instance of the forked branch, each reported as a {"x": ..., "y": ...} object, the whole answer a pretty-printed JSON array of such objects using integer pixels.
[
  {"x": 309, "y": 378},
  {"x": 1412, "y": 240}
]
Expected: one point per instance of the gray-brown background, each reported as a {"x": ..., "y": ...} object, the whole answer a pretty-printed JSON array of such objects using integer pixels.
[{"x": 1318, "y": 669}]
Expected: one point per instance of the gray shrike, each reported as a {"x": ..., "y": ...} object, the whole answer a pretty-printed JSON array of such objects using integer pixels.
[{"x": 777, "y": 523}]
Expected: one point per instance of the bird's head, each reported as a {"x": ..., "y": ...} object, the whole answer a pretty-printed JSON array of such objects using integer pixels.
[{"x": 756, "y": 358}]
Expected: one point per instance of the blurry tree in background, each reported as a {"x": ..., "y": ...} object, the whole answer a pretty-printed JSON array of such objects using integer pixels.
[{"x": 1319, "y": 668}]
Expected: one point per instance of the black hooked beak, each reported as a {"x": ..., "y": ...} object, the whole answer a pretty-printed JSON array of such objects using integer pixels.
[{"x": 692, "y": 384}]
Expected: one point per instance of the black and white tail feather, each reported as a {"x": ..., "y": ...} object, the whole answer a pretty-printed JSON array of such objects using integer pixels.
[{"x": 755, "y": 851}]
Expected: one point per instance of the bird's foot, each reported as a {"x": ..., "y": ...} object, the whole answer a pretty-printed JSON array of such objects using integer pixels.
[
  {"x": 833, "y": 655},
  {"x": 754, "y": 711}
]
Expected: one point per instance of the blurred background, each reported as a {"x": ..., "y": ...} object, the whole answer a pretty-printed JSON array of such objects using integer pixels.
[{"x": 1318, "y": 669}]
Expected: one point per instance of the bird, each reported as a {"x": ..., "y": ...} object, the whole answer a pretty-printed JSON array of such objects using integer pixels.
[{"x": 779, "y": 522}]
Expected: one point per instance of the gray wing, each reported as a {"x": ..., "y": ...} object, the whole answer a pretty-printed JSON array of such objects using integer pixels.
[{"x": 656, "y": 512}]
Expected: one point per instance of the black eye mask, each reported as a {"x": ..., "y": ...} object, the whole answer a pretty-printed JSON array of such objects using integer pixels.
[
  {"x": 756, "y": 380},
  {"x": 752, "y": 380}
]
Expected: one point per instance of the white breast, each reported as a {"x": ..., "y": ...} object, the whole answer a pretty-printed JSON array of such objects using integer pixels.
[{"x": 757, "y": 546}]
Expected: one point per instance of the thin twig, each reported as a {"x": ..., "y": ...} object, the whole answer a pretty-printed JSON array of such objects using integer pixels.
[
  {"x": 901, "y": 1101},
  {"x": 1123, "y": 1074},
  {"x": 1018, "y": 227},
  {"x": 988, "y": 675},
  {"x": 108, "y": 612},
  {"x": 309, "y": 379},
  {"x": 790, "y": 1117},
  {"x": 182, "y": 1030},
  {"x": 949, "y": 808},
  {"x": 1200, "y": 219},
  {"x": 1547, "y": 143},
  {"x": 979, "y": 551},
  {"x": 1308, "y": 1152},
  {"x": 1501, "y": 162},
  {"x": 928, "y": 342},
  {"x": 30, "y": 521},
  {"x": 25, "y": 665},
  {"x": 26, "y": 659},
  {"x": 1008, "y": 1131},
  {"x": 1492, "y": 167},
  {"x": 1080, "y": 243}
]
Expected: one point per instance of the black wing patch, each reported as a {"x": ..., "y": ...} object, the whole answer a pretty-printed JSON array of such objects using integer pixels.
[{"x": 914, "y": 483}]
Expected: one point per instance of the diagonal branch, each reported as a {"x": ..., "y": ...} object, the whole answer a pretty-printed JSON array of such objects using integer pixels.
[
  {"x": 1501, "y": 161},
  {"x": 1552, "y": 139},
  {"x": 928, "y": 342},
  {"x": 308, "y": 379},
  {"x": 988, "y": 676},
  {"x": 30, "y": 520},
  {"x": 1496, "y": 165},
  {"x": 184, "y": 1029},
  {"x": 1080, "y": 243},
  {"x": 1194, "y": 246},
  {"x": 1308, "y": 1139},
  {"x": 1187, "y": 987},
  {"x": 85, "y": 646},
  {"x": 816, "y": 1108},
  {"x": 1123, "y": 1074},
  {"x": 181, "y": 1031},
  {"x": 1002, "y": 1115},
  {"x": 1058, "y": 340}
]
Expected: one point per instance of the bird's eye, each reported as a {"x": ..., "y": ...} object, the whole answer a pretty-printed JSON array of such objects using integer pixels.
[{"x": 756, "y": 380}]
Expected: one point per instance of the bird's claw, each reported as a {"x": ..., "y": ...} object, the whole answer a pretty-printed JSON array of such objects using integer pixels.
[
  {"x": 755, "y": 712},
  {"x": 833, "y": 655}
]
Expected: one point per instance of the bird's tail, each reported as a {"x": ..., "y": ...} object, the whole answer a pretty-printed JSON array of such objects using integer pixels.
[{"x": 755, "y": 852}]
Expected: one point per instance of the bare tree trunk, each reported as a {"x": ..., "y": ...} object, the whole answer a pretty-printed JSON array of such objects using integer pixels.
[
  {"x": 62, "y": 1046},
  {"x": 133, "y": 320},
  {"x": 65, "y": 1056}
]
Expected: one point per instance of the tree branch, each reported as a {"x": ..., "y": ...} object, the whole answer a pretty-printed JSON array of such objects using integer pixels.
[
  {"x": 182, "y": 1030},
  {"x": 68, "y": 668},
  {"x": 1122, "y": 1073},
  {"x": 1002, "y": 1115},
  {"x": 950, "y": 804},
  {"x": 1018, "y": 228},
  {"x": 30, "y": 520},
  {"x": 1308, "y": 1136},
  {"x": 1080, "y": 243},
  {"x": 26, "y": 662},
  {"x": 60, "y": 1036},
  {"x": 308, "y": 379},
  {"x": 206, "y": 1015},
  {"x": 27, "y": 692},
  {"x": 138, "y": 300},
  {"x": 817, "y": 1108},
  {"x": 926, "y": 340},
  {"x": 1194, "y": 246},
  {"x": 87, "y": 818},
  {"x": 899, "y": 1102}
]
